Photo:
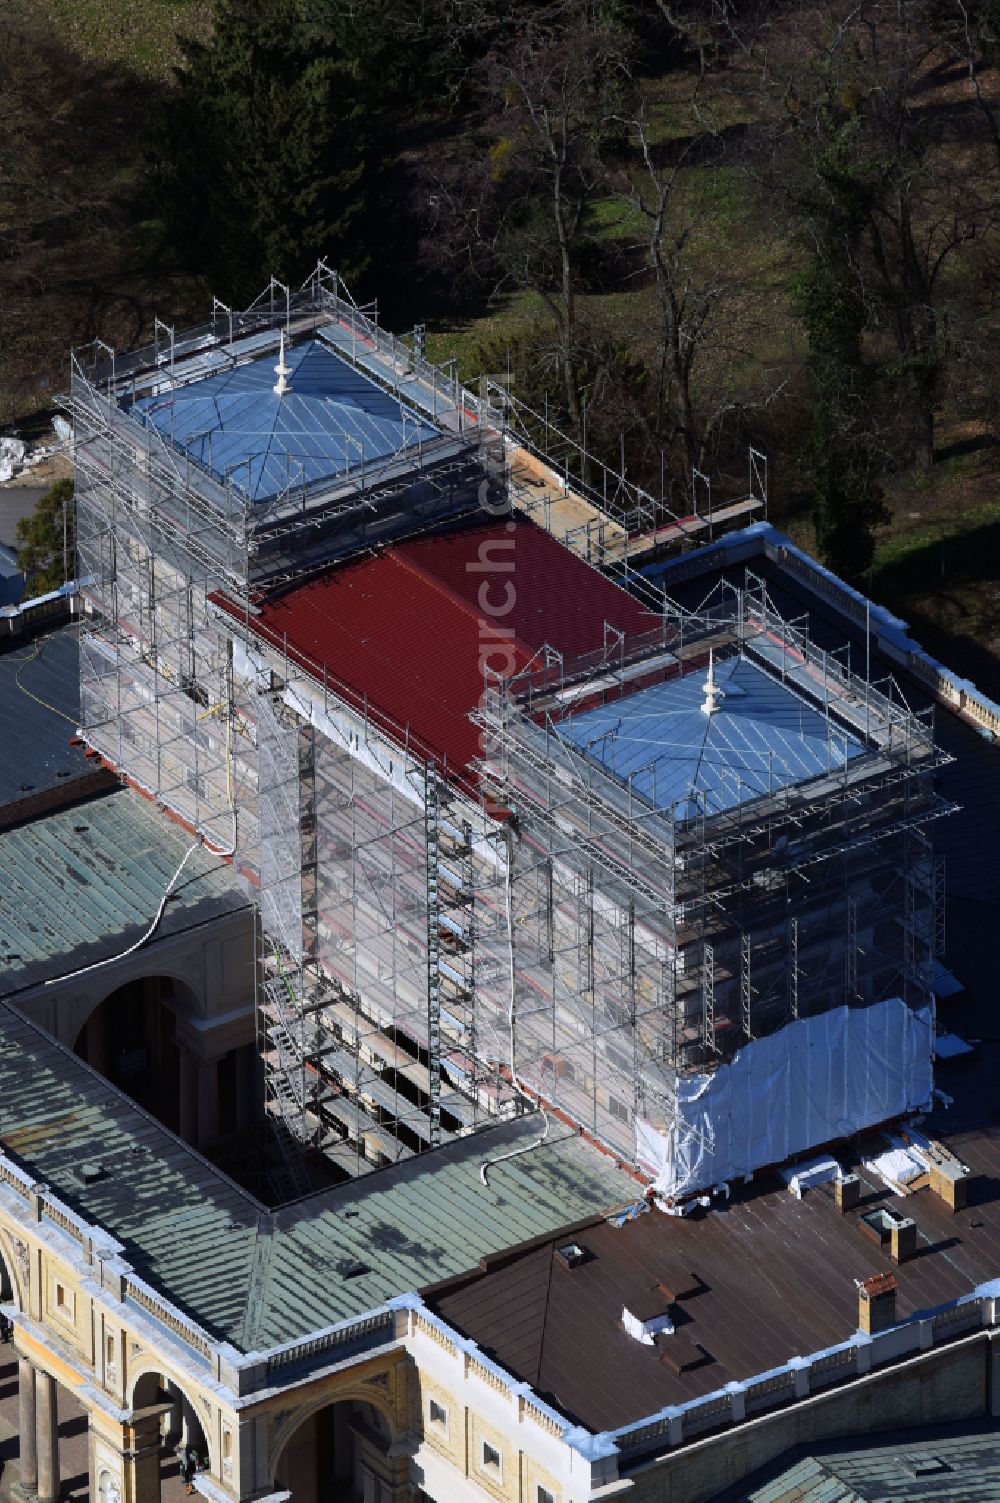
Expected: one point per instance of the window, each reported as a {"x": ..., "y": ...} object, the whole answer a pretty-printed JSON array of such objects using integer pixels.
[
  {"x": 65, "y": 1302},
  {"x": 438, "y": 1414},
  {"x": 618, "y": 1108},
  {"x": 544, "y": 1496},
  {"x": 492, "y": 1461},
  {"x": 195, "y": 782}
]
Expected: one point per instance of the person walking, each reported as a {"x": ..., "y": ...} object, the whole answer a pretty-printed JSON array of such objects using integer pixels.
[{"x": 190, "y": 1466}]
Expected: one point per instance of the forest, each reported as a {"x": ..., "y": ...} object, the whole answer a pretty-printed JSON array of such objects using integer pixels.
[{"x": 682, "y": 226}]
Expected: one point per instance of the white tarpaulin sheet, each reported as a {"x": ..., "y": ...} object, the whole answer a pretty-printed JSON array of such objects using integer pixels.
[{"x": 815, "y": 1080}]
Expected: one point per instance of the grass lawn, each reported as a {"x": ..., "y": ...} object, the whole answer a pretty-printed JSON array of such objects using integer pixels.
[{"x": 140, "y": 35}]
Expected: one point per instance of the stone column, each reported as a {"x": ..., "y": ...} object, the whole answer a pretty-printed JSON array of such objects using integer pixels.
[
  {"x": 188, "y": 1090},
  {"x": 142, "y": 1457},
  {"x": 48, "y": 1439},
  {"x": 28, "y": 1484},
  {"x": 191, "y": 1428},
  {"x": 208, "y": 1101},
  {"x": 245, "y": 1095},
  {"x": 173, "y": 1423}
]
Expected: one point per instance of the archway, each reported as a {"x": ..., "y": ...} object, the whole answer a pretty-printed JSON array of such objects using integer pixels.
[
  {"x": 151, "y": 1038},
  {"x": 9, "y": 1377},
  {"x": 10, "y": 1293},
  {"x": 339, "y": 1453},
  {"x": 182, "y": 1436},
  {"x": 131, "y": 1039}
]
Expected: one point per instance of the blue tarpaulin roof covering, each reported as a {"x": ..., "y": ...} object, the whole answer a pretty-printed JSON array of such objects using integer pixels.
[
  {"x": 234, "y": 423},
  {"x": 762, "y": 737}
]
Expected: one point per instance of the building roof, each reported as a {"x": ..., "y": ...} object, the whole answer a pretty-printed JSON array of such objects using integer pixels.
[
  {"x": 331, "y": 420},
  {"x": 83, "y": 883},
  {"x": 259, "y": 1279},
  {"x": 409, "y": 629},
  {"x": 763, "y": 736},
  {"x": 415, "y": 1222},
  {"x": 759, "y": 1278},
  {"x": 900, "y": 1468},
  {"x": 39, "y": 713}
]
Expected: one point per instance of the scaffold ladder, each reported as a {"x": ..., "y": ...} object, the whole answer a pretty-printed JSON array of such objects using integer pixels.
[{"x": 432, "y": 836}]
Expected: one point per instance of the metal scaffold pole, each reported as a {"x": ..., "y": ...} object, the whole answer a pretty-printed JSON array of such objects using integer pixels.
[
  {"x": 746, "y": 989},
  {"x": 433, "y": 952}
]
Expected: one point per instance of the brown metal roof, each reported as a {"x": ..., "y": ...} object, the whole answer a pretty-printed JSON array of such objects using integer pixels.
[{"x": 763, "y": 1277}]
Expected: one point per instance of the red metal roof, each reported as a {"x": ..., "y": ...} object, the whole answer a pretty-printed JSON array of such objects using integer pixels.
[{"x": 409, "y": 629}]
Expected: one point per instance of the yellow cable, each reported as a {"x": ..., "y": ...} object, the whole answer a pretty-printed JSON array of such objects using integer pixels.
[{"x": 23, "y": 662}]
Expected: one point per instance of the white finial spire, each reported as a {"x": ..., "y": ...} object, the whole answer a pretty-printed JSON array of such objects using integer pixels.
[
  {"x": 282, "y": 370},
  {"x": 713, "y": 694}
]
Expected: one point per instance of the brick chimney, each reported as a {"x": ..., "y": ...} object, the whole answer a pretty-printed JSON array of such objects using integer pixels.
[
  {"x": 877, "y": 1303},
  {"x": 847, "y": 1192},
  {"x": 903, "y": 1240},
  {"x": 950, "y": 1183}
]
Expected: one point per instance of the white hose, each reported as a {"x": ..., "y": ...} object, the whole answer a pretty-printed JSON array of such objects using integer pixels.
[
  {"x": 514, "y": 1153},
  {"x": 96, "y": 966},
  {"x": 123, "y": 954}
]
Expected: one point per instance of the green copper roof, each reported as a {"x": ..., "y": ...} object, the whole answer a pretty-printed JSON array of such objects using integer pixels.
[
  {"x": 256, "y": 1278},
  {"x": 84, "y": 883},
  {"x": 901, "y": 1468}
]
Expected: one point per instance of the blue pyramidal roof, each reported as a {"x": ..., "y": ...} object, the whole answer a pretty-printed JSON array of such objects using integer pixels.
[
  {"x": 234, "y": 423},
  {"x": 762, "y": 737}
]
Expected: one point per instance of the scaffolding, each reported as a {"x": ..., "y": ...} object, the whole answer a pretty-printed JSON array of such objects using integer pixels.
[
  {"x": 645, "y": 945},
  {"x": 439, "y": 949},
  {"x": 197, "y": 725},
  {"x": 653, "y": 943}
]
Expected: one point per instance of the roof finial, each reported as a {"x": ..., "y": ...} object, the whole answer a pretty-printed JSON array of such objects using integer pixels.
[
  {"x": 282, "y": 370},
  {"x": 713, "y": 694}
]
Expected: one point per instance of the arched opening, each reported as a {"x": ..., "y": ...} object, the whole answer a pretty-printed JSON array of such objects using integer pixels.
[
  {"x": 8, "y": 1286},
  {"x": 9, "y": 1444},
  {"x": 340, "y": 1452},
  {"x": 149, "y": 1038},
  {"x": 183, "y": 1444},
  {"x": 131, "y": 1038}
]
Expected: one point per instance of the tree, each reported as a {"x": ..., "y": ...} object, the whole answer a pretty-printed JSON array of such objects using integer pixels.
[
  {"x": 46, "y": 541},
  {"x": 514, "y": 207},
  {"x": 844, "y": 453},
  {"x": 861, "y": 75},
  {"x": 275, "y": 146},
  {"x": 694, "y": 291},
  {"x": 560, "y": 83},
  {"x": 268, "y": 151}
]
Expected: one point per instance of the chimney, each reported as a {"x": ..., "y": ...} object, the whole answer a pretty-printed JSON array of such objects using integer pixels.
[
  {"x": 950, "y": 1183},
  {"x": 877, "y": 1303},
  {"x": 903, "y": 1240},
  {"x": 847, "y": 1192}
]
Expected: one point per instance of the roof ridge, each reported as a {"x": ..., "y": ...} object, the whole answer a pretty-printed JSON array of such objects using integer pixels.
[
  {"x": 264, "y": 455},
  {"x": 260, "y": 1267},
  {"x": 463, "y": 604},
  {"x": 544, "y": 1317}
]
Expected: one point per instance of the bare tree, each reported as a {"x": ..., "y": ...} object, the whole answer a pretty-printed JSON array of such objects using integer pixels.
[
  {"x": 695, "y": 294},
  {"x": 864, "y": 118},
  {"x": 558, "y": 85}
]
